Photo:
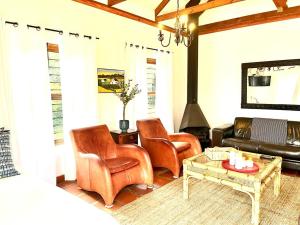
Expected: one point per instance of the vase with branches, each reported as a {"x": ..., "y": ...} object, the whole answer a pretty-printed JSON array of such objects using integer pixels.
[{"x": 126, "y": 94}]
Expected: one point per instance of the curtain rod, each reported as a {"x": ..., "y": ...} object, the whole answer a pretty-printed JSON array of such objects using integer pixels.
[
  {"x": 38, "y": 28},
  {"x": 149, "y": 48}
]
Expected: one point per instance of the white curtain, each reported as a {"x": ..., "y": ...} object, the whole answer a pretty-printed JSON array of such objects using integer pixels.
[
  {"x": 79, "y": 92},
  {"x": 136, "y": 62},
  {"x": 28, "y": 99},
  {"x": 164, "y": 91}
]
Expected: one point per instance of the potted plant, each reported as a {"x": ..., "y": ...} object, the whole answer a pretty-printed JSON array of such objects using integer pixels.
[{"x": 126, "y": 95}]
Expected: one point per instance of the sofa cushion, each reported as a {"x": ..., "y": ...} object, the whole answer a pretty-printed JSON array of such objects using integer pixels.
[
  {"x": 285, "y": 151},
  {"x": 116, "y": 165},
  {"x": 181, "y": 146},
  {"x": 242, "y": 127},
  {"x": 241, "y": 143},
  {"x": 293, "y": 132}
]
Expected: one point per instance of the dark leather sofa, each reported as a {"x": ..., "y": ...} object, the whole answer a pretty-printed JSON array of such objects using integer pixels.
[{"x": 238, "y": 136}]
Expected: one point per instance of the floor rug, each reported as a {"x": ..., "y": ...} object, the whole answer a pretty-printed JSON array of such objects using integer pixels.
[{"x": 212, "y": 204}]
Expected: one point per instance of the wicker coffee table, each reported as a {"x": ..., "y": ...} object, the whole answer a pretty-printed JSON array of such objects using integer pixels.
[{"x": 253, "y": 184}]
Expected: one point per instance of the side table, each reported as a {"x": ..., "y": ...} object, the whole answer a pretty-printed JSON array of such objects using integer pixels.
[{"x": 130, "y": 137}]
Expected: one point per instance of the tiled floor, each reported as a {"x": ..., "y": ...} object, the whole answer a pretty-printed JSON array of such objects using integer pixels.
[
  {"x": 132, "y": 192},
  {"x": 128, "y": 194}
]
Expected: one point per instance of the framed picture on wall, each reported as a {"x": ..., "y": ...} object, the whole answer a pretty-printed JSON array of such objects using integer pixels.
[{"x": 109, "y": 80}]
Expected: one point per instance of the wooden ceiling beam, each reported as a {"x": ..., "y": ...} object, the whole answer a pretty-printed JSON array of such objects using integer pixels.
[
  {"x": 251, "y": 20},
  {"x": 280, "y": 4},
  {"x": 125, "y": 14},
  {"x": 195, "y": 9},
  {"x": 161, "y": 6},
  {"x": 114, "y": 2}
]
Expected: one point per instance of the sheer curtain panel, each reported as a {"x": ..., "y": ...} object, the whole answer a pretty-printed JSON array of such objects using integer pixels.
[
  {"x": 27, "y": 93},
  {"x": 136, "y": 62},
  {"x": 79, "y": 92},
  {"x": 164, "y": 90}
]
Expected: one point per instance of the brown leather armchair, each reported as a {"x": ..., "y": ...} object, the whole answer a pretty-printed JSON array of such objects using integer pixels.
[
  {"x": 105, "y": 167},
  {"x": 166, "y": 150}
]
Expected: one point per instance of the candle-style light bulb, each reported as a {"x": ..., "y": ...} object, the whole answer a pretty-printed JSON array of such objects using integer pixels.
[{"x": 192, "y": 27}]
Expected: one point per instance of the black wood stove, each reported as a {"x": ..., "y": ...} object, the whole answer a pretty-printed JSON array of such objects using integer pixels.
[{"x": 193, "y": 120}]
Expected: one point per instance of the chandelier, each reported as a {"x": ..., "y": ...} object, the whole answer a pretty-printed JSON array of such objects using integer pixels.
[{"x": 182, "y": 34}]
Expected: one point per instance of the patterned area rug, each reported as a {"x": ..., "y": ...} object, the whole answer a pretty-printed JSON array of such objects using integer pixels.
[{"x": 212, "y": 204}]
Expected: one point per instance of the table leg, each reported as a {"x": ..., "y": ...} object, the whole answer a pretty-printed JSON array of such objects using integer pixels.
[
  {"x": 185, "y": 183},
  {"x": 256, "y": 203},
  {"x": 277, "y": 182},
  {"x": 252, "y": 203}
]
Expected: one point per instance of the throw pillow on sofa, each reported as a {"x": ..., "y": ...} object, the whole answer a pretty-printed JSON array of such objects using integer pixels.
[
  {"x": 7, "y": 168},
  {"x": 269, "y": 130}
]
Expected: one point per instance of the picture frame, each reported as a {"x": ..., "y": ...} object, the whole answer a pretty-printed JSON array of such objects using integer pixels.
[
  {"x": 109, "y": 80},
  {"x": 271, "y": 85}
]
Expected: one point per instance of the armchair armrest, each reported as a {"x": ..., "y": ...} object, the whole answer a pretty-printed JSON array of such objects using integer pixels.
[
  {"x": 219, "y": 133},
  {"x": 140, "y": 154},
  {"x": 92, "y": 171},
  {"x": 186, "y": 137},
  {"x": 158, "y": 146}
]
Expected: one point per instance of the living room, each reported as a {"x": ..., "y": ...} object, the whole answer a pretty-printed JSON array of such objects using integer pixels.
[{"x": 220, "y": 56}]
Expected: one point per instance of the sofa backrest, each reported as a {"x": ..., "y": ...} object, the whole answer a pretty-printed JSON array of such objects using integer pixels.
[{"x": 242, "y": 129}]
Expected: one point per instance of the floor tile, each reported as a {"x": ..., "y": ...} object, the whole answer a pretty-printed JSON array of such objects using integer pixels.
[
  {"x": 139, "y": 189},
  {"x": 90, "y": 197},
  {"x": 167, "y": 175},
  {"x": 160, "y": 181},
  {"x": 159, "y": 170},
  {"x": 125, "y": 196},
  {"x": 73, "y": 189}
]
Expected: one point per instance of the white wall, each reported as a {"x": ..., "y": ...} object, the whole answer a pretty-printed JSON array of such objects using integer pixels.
[
  {"x": 220, "y": 58},
  {"x": 221, "y": 55}
]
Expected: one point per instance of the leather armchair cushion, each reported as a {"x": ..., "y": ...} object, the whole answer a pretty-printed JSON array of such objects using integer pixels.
[
  {"x": 119, "y": 164},
  {"x": 285, "y": 151},
  {"x": 181, "y": 146}
]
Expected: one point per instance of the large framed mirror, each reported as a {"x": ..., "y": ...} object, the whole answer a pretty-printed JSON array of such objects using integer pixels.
[{"x": 271, "y": 85}]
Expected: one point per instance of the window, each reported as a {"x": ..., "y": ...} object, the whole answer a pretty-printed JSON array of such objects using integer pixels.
[
  {"x": 56, "y": 99},
  {"x": 151, "y": 85}
]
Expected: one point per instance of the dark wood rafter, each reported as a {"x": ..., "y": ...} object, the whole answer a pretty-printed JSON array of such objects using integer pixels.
[
  {"x": 280, "y": 4},
  {"x": 161, "y": 6},
  {"x": 125, "y": 14},
  {"x": 251, "y": 20},
  {"x": 195, "y": 9},
  {"x": 114, "y": 2}
]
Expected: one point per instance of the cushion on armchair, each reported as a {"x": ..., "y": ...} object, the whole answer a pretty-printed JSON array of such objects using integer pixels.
[
  {"x": 181, "y": 146},
  {"x": 7, "y": 168},
  {"x": 119, "y": 164}
]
